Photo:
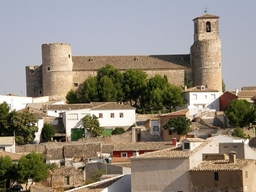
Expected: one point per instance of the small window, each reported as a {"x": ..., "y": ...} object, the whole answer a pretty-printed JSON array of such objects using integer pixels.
[
  {"x": 246, "y": 174},
  {"x": 216, "y": 176},
  {"x": 68, "y": 55},
  {"x": 48, "y": 68},
  {"x": 194, "y": 96},
  {"x": 40, "y": 92},
  {"x": 136, "y": 59},
  {"x": 90, "y": 59},
  {"x": 170, "y": 131},
  {"x": 100, "y": 115},
  {"x": 76, "y": 84},
  {"x": 66, "y": 180},
  {"x": 121, "y": 115},
  {"x": 123, "y": 154},
  {"x": 235, "y": 146},
  {"x": 225, "y": 147},
  {"x": 208, "y": 26},
  {"x": 55, "y": 111},
  {"x": 186, "y": 145},
  {"x": 205, "y": 96},
  {"x": 212, "y": 96},
  {"x": 112, "y": 115}
]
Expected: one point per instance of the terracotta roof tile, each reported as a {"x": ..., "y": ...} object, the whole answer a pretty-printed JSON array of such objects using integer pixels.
[
  {"x": 200, "y": 89},
  {"x": 222, "y": 165},
  {"x": 13, "y": 156},
  {"x": 142, "y": 146},
  {"x": 170, "y": 153},
  {"x": 109, "y": 106},
  {"x": 158, "y": 62},
  {"x": 68, "y": 106},
  {"x": 207, "y": 16},
  {"x": 176, "y": 113}
]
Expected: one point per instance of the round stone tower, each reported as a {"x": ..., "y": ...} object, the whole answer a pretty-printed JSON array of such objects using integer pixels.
[
  {"x": 206, "y": 52},
  {"x": 57, "y": 70}
]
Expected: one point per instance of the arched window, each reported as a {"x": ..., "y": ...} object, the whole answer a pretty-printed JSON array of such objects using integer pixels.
[{"x": 208, "y": 26}]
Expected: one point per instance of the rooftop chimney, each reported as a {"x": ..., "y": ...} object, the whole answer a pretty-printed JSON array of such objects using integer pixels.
[
  {"x": 237, "y": 91},
  {"x": 232, "y": 157}
]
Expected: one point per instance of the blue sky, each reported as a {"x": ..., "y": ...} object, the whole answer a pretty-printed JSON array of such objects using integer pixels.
[{"x": 127, "y": 27}]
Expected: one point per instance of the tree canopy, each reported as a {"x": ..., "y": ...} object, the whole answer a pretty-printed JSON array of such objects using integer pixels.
[
  {"x": 238, "y": 132},
  {"x": 181, "y": 125},
  {"x": 47, "y": 132},
  {"x": 118, "y": 130},
  {"x": 31, "y": 166},
  {"x": 240, "y": 113},
  {"x": 147, "y": 95},
  {"x": 92, "y": 125},
  {"x": 21, "y": 124},
  {"x": 6, "y": 168}
]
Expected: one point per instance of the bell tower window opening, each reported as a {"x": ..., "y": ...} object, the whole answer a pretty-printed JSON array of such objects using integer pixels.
[{"x": 208, "y": 26}]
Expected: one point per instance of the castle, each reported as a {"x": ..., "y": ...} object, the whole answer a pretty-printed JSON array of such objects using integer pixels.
[{"x": 60, "y": 71}]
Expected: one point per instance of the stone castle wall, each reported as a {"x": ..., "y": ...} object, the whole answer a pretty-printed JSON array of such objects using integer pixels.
[
  {"x": 57, "y": 69},
  {"x": 34, "y": 81}
]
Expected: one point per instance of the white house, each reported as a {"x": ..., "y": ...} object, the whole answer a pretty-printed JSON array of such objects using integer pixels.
[
  {"x": 110, "y": 115},
  {"x": 7, "y": 143},
  {"x": 168, "y": 169},
  {"x": 19, "y": 102},
  {"x": 200, "y": 99}
]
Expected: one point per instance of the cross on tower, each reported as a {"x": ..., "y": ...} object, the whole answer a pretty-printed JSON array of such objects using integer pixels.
[{"x": 206, "y": 9}]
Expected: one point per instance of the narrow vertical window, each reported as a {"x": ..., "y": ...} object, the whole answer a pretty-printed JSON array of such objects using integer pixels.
[
  {"x": 216, "y": 176},
  {"x": 195, "y": 27},
  {"x": 208, "y": 26},
  {"x": 100, "y": 115},
  {"x": 66, "y": 180},
  {"x": 112, "y": 115}
]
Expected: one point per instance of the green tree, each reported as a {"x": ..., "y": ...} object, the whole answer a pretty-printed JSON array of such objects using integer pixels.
[
  {"x": 47, "y": 132},
  {"x": 117, "y": 79},
  {"x": 107, "y": 89},
  {"x": 24, "y": 125},
  {"x": 89, "y": 90},
  {"x": 31, "y": 166},
  {"x": 6, "y": 167},
  {"x": 172, "y": 95},
  {"x": 72, "y": 97},
  {"x": 239, "y": 132},
  {"x": 161, "y": 94},
  {"x": 6, "y": 120},
  {"x": 134, "y": 85},
  {"x": 240, "y": 113},
  {"x": 95, "y": 177},
  {"x": 118, "y": 130},
  {"x": 92, "y": 125},
  {"x": 223, "y": 86},
  {"x": 187, "y": 81},
  {"x": 181, "y": 125}
]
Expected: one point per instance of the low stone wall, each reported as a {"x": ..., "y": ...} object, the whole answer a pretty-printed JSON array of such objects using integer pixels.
[{"x": 40, "y": 148}]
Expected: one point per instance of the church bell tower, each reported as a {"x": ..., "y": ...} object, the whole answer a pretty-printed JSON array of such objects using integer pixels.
[{"x": 206, "y": 52}]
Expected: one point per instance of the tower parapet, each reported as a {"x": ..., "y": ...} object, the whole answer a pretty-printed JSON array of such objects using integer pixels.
[{"x": 57, "y": 70}]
